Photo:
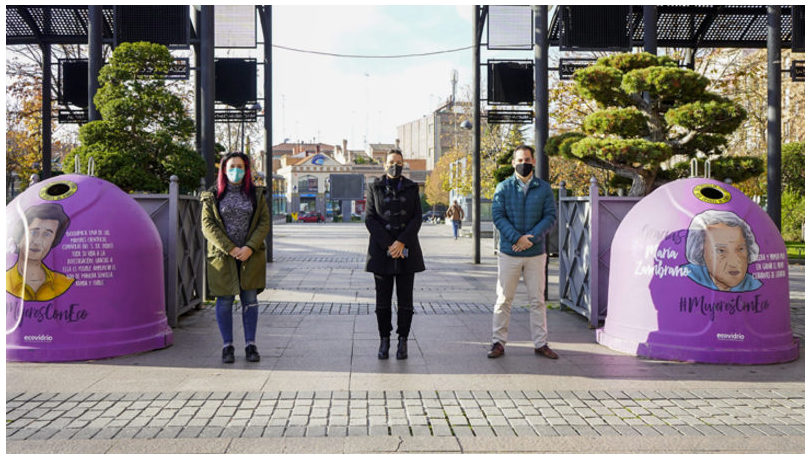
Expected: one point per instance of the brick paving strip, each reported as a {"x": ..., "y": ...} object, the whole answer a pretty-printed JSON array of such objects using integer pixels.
[
  {"x": 320, "y": 308},
  {"x": 682, "y": 413}
]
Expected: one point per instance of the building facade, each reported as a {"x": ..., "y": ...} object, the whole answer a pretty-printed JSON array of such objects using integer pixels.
[
  {"x": 301, "y": 184},
  {"x": 431, "y": 136}
]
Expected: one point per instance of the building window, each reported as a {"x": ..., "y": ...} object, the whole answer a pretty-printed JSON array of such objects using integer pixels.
[{"x": 308, "y": 184}]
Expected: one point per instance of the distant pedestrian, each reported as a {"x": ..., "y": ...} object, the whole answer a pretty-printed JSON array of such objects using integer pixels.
[
  {"x": 523, "y": 210},
  {"x": 456, "y": 214},
  {"x": 393, "y": 219},
  {"x": 235, "y": 221}
]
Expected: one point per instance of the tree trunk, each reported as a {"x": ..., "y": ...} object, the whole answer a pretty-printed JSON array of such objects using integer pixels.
[
  {"x": 643, "y": 183},
  {"x": 639, "y": 187}
]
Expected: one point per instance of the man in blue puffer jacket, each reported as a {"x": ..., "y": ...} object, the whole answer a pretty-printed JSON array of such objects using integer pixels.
[{"x": 523, "y": 210}]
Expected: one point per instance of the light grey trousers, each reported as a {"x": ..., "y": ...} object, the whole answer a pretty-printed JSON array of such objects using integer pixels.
[{"x": 509, "y": 271}]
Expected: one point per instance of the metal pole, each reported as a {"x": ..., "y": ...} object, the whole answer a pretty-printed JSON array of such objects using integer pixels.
[
  {"x": 197, "y": 91},
  {"x": 207, "y": 90},
  {"x": 541, "y": 88},
  {"x": 46, "y": 109},
  {"x": 775, "y": 115},
  {"x": 476, "y": 204},
  {"x": 541, "y": 104},
  {"x": 651, "y": 29},
  {"x": 94, "y": 31},
  {"x": 267, "y": 30}
]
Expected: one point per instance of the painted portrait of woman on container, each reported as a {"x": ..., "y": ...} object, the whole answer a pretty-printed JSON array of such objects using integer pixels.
[
  {"x": 719, "y": 247},
  {"x": 40, "y": 229}
]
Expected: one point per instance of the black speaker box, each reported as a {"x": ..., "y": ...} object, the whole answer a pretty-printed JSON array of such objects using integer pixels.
[
  {"x": 166, "y": 25},
  {"x": 235, "y": 81},
  {"x": 595, "y": 28},
  {"x": 510, "y": 83},
  {"x": 74, "y": 83}
]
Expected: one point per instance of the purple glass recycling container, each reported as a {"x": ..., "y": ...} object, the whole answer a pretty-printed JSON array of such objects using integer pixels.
[
  {"x": 84, "y": 273},
  {"x": 698, "y": 272}
]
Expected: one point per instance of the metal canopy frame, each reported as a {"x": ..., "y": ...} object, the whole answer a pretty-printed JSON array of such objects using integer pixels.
[
  {"x": 58, "y": 25},
  {"x": 719, "y": 26}
]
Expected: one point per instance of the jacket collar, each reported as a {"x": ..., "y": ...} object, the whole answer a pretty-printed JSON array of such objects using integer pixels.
[
  {"x": 379, "y": 182},
  {"x": 532, "y": 183}
]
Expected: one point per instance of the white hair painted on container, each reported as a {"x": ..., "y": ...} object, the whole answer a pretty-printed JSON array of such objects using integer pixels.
[{"x": 697, "y": 234}]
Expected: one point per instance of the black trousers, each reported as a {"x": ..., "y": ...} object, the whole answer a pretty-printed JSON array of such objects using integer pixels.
[{"x": 385, "y": 290}]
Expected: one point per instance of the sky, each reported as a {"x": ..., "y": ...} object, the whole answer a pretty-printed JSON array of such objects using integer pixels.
[{"x": 363, "y": 100}]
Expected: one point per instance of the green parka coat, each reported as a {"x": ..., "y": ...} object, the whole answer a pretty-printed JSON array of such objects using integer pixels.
[{"x": 221, "y": 267}]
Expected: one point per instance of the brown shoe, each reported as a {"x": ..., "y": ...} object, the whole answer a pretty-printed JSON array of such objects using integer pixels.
[
  {"x": 496, "y": 351},
  {"x": 546, "y": 351}
]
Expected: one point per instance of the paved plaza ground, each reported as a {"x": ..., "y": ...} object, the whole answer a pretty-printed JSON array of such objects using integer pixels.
[{"x": 320, "y": 388}]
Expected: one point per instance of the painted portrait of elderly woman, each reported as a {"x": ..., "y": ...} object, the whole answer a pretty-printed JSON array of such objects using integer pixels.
[
  {"x": 719, "y": 247},
  {"x": 35, "y": 235}
]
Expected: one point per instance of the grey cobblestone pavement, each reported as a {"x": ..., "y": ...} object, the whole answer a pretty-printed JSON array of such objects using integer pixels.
[
  {"x": 320, "y": 388},
  {"x": 754, "y": 412}
]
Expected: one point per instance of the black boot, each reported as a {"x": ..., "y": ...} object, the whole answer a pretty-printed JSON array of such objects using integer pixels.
[
  {"x": 402, "y": 348},
  {"x": 252, "y": 353},
  {"x": 385, "y": 343},
  {"x": 227, "y": 354}
]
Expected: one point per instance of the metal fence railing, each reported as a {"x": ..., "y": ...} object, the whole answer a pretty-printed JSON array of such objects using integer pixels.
[
  {"x": 587, "y": 225},
  {"x": 177, "y": 218}
]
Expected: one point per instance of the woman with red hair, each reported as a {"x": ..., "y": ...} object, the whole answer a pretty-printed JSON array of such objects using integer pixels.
[{"x": 235, "y": 221}]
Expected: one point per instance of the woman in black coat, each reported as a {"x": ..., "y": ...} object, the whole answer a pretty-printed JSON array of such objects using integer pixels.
[{"x": 393, "y": 219}]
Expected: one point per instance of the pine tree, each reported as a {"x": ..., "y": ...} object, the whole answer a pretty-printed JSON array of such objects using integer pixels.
[{"x": 650, "y": 112}]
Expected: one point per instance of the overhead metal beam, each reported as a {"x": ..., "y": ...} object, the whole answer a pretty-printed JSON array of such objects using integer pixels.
[
  {"x": 80, "y": 20},
  {"x": 748, "y": 27},
  {"x": 29, "y": 20},
  {"x": 704, "y": 25}
]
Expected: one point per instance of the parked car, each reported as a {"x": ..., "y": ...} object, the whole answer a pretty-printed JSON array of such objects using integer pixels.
[
  {"x": 433, "y": 216},
  {"x": 311, "y": 217}
]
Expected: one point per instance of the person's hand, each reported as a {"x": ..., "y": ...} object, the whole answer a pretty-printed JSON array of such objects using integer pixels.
[
  {"x": 234, "y": 252},
  {"x": 242, "y": 253},
  {"x": 395, "y": 249},
  {"x": 523, "y": 243}
]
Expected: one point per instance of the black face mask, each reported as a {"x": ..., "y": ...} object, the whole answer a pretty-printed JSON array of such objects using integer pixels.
[
  {"x": 394, "y": 170},
  {"x": 525, "y": 169}
]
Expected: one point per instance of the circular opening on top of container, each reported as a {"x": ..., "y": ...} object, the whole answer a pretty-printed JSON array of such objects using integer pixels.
[
  {"x": 712, "y": 194},
  {"x": 58, "y": 190}
]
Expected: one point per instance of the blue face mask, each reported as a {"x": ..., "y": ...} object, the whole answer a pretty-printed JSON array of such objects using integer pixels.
[{"x": 235, "y": 174}]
